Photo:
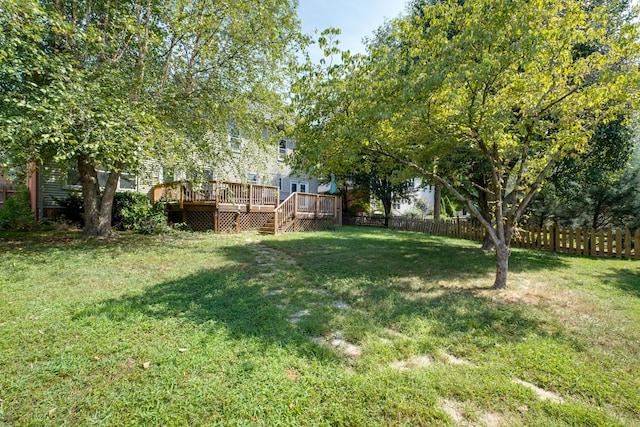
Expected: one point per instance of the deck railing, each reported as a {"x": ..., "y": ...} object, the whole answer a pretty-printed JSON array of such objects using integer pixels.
[
  {"x": 305, "y": 206},
  {"x": 235, "y": 193}
]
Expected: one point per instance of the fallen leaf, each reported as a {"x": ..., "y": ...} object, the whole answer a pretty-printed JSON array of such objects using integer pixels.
[
  {"x": 41, "y": 332},
  {"x": 146, "y": 365},
  {"x": 292, "y": 406},
  {"x": 254, "y": 419},
  {"x": 292, "y": 374},
  {"x": 182, "y": 350},
  {"x": 96, "y": 357},
  {"x": 52, "y": 411},
  {"x": 131, "y": 363}
]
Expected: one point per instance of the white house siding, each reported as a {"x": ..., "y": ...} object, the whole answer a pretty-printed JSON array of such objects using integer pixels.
[
  {"x": 279, "y": 173},
  {"x": 427, "y": 194}
]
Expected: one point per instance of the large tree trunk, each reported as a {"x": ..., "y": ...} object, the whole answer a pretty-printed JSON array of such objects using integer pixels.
[
  {"x": 97, "y": 206},
  {"x": 502, "y": 265}
]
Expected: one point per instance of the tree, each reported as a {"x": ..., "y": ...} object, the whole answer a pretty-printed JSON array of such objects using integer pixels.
[
  {"x": 503, "y": 79},
  {"x": 597, "y": 187},
  {"x": 383, "y": 180},
  {"x": 110, "y": 85}
]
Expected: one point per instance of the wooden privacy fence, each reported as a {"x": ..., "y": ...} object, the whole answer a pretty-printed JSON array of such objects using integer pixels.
[{"x": 584, "y": 241}]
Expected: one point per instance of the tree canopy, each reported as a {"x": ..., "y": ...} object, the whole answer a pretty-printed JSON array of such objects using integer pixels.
[
  {"x": 518, "y": 85},
  {"x": 109, "y": 85}
]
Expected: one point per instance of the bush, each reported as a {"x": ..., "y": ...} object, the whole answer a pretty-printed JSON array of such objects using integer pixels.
[
  {"x": 132, "y": 211},
  {"x": 17, "y": 214},
  {"x": 72, "y": 208}
]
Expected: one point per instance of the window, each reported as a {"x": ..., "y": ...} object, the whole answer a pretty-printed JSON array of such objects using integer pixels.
[
  {"x": 127, "y": 181},
  {"x": 299, "y": 186},
  {"x": 280, "y": 184},
  {"x": 168, "y": 175},
  {"x": 73, "y": 179},
  {"x": 282, "y": 149},
  {"x": 396, "y": 205},
  {"x": 234, "y": 137},
  {"x": 252, "y": 178}
]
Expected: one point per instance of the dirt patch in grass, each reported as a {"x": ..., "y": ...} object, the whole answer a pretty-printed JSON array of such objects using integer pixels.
[{"x": 541, "y": 393}]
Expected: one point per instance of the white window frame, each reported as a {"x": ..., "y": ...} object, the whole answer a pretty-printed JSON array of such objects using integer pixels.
[
  {"x": 252, "y": 178},
  {"x": 282, "y": 151},
  {"x": 235, "y": 137}
]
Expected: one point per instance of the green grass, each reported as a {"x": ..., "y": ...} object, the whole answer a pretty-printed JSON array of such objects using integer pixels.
[{"x": 189, "y": 329}]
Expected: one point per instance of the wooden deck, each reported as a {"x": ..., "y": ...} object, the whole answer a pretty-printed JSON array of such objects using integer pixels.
[{"x": 236, "y": 207}]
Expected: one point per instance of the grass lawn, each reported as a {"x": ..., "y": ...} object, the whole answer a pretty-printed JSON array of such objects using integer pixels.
[{"x": 357, "y": 327}]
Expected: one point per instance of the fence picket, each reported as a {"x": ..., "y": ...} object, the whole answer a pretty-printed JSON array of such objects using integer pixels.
[
  {"x": 601, "y": 242},
  {"x": 582, "y": 241}
]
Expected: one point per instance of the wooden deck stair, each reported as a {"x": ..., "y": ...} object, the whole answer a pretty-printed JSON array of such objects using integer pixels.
[
  {"x": 298, "y": 208},
  {"x": 269, "y": 227},
  {"x": 236, "y": 207}
]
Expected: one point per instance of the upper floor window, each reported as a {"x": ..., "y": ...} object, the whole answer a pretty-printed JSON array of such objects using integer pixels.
[
  {"x": 282, "y": 149},
  {"x": 234, "y": 137}
]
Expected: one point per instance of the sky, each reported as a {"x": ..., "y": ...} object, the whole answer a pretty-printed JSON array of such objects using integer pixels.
[{"x": 356, "y": 18}]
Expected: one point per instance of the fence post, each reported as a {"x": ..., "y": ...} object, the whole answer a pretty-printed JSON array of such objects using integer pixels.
[
  {"x": 627, "y": 244},
  {"x": 601, "y": 249}
]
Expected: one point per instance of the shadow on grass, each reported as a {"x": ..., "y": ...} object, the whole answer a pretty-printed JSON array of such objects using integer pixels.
[
  {"x": 238, "y": 301},
  {"x": 367, "y": 269},
  {"x": 624, "y": 279},
  {"x": 380, "y": 253},
  {"x": 212, "y": 299}
]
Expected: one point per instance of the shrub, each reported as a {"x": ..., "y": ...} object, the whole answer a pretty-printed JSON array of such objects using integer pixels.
[
  {"x": 17, "y": 214},
  {"x": 132, "y": 211},
  {"x": 72, "y": 208}
]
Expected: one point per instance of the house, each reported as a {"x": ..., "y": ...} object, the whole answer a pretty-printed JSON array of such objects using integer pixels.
[
  {"x": 235, "y": 204},
  {"x": 421, "y": 203}
]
